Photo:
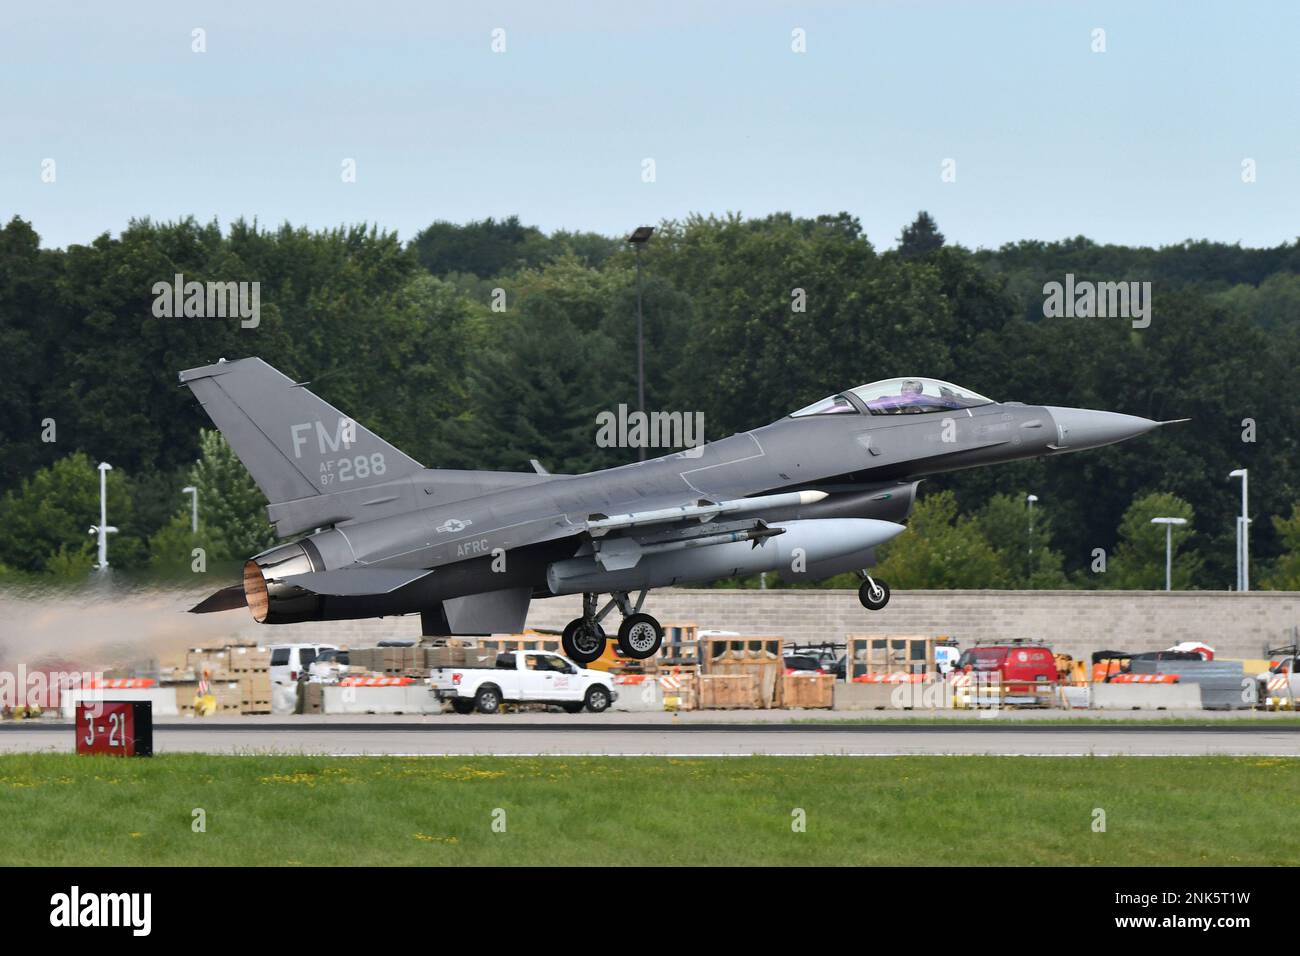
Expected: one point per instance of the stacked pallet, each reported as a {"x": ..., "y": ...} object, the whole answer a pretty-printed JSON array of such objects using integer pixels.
[
  {"x": 238, "y": 677},
  {"x": 186, "y": 691},
  {"x": 528, "y": 641},
  {"x": 212, "y": 662},
  {"x": 386, "y": 661},
  {"x": 459, "y": 656},
  {"x": 250, "y": 666},
  {"x": 416, "y": 661},
  {"x": 228, "y": 697}
]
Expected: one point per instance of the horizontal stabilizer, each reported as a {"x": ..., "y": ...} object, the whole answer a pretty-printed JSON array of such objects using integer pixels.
[
  {"x": 227, "y": 599},
  {"x": 355, "y": 582}
]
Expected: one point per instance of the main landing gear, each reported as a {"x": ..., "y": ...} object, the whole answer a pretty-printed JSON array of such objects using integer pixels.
[
  {"x": 639, "y": 636},
  {"x": 872, "y": 593}
]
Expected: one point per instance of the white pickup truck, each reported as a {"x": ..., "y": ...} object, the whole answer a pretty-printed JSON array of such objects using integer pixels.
[{"x": 524, "y": 676}]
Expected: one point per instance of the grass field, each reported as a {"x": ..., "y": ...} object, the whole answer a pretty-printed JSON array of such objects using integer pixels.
[
  {"x": 260, "y": 810},
  {"x": 1083, "y": 722}
]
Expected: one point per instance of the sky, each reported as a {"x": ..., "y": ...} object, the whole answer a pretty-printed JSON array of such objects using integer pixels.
[{"x": 1141, "y": 144}]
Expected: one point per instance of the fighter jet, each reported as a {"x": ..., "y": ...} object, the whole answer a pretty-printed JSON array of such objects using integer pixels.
[{"x": 811, "y": 495}]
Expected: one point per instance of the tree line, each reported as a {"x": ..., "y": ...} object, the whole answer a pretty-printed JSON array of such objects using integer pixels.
[{"x": 487, "y": 344}]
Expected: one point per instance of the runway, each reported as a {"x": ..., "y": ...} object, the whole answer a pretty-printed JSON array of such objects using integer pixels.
[{"x": 504, "y": 736}]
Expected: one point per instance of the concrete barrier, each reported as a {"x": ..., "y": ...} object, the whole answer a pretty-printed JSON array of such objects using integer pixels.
[
  {"x": 284, "y": 698},
  {"x": 1146, "y": 696},
  {"x": 163, "y": 699},
  {"x": 409, "y": 699},
  {"x": 933, "y": 695},
  {"x": 642, "y": 697},
  {"x": 1077, "y": 698}
]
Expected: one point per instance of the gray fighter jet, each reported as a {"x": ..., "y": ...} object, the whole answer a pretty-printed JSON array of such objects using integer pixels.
[{"x": 810, "y": 495}]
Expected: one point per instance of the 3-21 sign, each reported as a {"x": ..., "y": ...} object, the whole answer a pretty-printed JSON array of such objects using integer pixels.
[{"x": 118, "y": 728}]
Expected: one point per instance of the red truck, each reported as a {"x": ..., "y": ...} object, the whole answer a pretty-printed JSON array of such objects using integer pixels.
[{"x": 1025, "y": 671}]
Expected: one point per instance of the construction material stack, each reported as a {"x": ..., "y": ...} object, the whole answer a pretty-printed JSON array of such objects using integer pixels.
[
  {"x": 250, "y": 666},
  {"x": 458, "y": 656},
  {"x": 211, "y": 667},
  {"x": 238, "y": 676}
]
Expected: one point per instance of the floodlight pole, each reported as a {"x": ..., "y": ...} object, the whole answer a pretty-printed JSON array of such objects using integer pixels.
[
  {"x": 1169, "y": 547},
  {"x": 1243, "y": 533},
  {"x": 103, "y": 529},
  {"x": 639, "y": 237},
  {"x": 1030, "y": 568},
  {"x": 640, "y": 342},
  {"x": 194, "y": 507}
]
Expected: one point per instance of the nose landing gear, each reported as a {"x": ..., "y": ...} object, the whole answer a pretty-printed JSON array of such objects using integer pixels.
[
  {"x": 873, "y": 594},
  {"x": 639, "y": 635}
]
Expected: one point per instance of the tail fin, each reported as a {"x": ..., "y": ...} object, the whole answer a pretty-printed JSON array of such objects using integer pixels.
[{"x": 292, "y": 443}]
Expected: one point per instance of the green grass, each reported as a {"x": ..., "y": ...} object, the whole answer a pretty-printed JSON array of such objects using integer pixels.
[
  {"x": 1083, "y": 723},
  {"x": 60, "y": 809}
]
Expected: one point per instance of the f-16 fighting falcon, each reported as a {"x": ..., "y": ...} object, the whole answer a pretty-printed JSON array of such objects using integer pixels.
[{"x": 810, "y": 495}]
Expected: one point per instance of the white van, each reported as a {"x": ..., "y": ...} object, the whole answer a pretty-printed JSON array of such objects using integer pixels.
[{"x": 290, "y": 661}]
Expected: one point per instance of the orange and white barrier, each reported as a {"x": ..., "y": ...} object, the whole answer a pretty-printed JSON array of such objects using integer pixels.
[
  {"x": 1278, "y": 692},
  {"x": 1144, "y": 679},
  {"x": 376, "y": 681},
  {"x": 119, "y": 683},
  {"x": 897, "y": 677}
]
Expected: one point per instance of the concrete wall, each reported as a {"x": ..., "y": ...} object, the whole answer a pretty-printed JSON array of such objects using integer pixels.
[{"x": 1075, "y": 622}]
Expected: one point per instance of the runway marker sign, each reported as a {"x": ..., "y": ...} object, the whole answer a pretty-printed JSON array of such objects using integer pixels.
[{"x": 117, "y": 728}]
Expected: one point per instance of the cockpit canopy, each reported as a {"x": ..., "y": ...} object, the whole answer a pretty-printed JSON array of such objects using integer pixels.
[{"x": 896, "y": 396}]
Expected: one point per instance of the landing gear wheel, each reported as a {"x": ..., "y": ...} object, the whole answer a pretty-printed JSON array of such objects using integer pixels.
[
  {"x": 583, "y": 641},
  {"x": 873, "y": 594},
  {"x": 597, "y": 699},
  {"x": 639, "y": 636}
]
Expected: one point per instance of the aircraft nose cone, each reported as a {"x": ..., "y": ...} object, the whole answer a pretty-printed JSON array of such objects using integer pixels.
[{"x": 1078, "y": 428}]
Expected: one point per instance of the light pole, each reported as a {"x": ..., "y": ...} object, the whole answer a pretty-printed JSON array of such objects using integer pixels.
[
  {"x": 194, "y": 507},
  {"x": 1243, "y": 534},
  {"x": 1169, "y": 547},
  {"x": 1031, "y": 499},
  {"x": 640, "y": 236},
  {"x": 103, "y": 529}
]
